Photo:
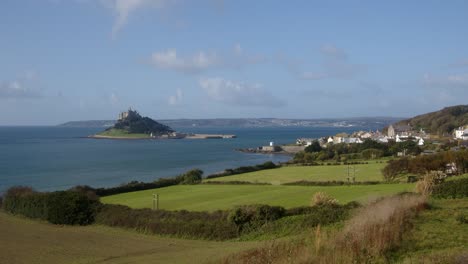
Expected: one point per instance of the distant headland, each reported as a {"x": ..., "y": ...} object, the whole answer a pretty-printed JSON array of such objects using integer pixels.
[{"x": 131, "y": 125}]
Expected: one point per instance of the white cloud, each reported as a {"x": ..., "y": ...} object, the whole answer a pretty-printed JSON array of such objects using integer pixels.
[
  {"x": 175, "y": 99},
  {"x": 203, "y": 60},
  {"x": 240, "y": 94},
  {"x": 124, "y": 8},
  {"x": 20, "y": 87},
  {"x": 171, "y": 61}
]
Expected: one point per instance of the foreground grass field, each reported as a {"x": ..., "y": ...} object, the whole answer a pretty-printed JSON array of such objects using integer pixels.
[
  {"x": 27, "y": 241},
  {"x": 437, "y": 235},
  {"x": 363, "y": 172},
  {"x": 205, "y": 197}
]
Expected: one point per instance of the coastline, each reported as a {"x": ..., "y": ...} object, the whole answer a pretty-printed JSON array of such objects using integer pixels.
[
  {"x": 188, "y": 136},
  {"x": 117, "y": 137}
]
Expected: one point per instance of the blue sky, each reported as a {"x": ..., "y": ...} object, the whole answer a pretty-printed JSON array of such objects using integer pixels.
[{"x": 64, "y": 60}]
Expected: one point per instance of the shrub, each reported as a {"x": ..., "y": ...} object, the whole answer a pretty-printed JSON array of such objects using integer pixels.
[
  {"x": 394, "y": 168},
  {"x": 251, "y": 216},
  {"x": 236, "y": 183},
  {"x": 452, "y": 189},
  {"x": 331, "y": 183},
  {"x": 63, "y": 207},
  {"x": 321, "y": 198},
  {"x": 372, "y": 153},
  {"x": 244, "y": 169},
  {"x": 70, "y": 208},
  {"x": 25, "y": 201},
  {"x": 190, "y": 177},
  {"x": 183, "y": 224}
]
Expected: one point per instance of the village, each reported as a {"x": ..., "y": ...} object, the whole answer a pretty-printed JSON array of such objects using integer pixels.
[{"x": 394, "y": 133}]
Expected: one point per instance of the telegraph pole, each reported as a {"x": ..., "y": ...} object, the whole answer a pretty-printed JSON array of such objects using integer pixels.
[{"x": 156, "y": 201}]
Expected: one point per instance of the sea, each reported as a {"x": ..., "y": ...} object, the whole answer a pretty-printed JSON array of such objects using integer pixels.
[{"x": 58, "y": 158}]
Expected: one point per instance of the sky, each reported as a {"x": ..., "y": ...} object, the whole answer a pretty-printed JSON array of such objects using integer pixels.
[{"x": 64, "y": 60}]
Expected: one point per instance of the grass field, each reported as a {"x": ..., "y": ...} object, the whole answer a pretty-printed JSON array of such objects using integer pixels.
[
  {"x": 363, "y": 172},
  {"x": 203, "y": 197},
  {"x": 27, "y": 241},
  {"x": 121, "y": 133},
  {"x": 437, "y": 234}
]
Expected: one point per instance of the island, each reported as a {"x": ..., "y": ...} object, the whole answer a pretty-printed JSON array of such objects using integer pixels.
[{"x": 131, "y": 125}]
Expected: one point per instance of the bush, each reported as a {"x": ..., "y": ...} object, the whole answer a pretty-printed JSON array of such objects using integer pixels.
[
  {"x": 236, "y": 183},
  {"x": 183, "y": 224},
  {"x": 330, "y": 183},
  {"x": 252, "y": 216},
  {"x": 452, "y": 189},
  {"x": 228, "y": 172},
  {"x": 372, "y": 153},
  {"x": 25, "y": 201},
  {"x": 395, "y": 168},
  {"x": 63, "y": 207},
  {"x": 70, "y": 208},
  {"x": 321, "y": 198},
  {"x": 190, "y": 177}
]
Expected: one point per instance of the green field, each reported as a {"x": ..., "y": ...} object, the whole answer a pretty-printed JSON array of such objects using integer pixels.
[
  {"x": 121, "y": 133},
  {"x": 206, "y": 197},
  {"x": 28, "y": 241},
  {"x": 437, "y": 234},
  {"x": 363, "y": 172}
]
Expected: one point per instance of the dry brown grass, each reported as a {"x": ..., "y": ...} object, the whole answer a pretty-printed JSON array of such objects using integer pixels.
[
  {"x": 321, "y": 198},
  {"x": 426, "y": 185},
  {"x": 367, "y": 237}
]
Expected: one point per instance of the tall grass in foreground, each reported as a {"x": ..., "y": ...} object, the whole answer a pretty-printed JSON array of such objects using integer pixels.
[{"x": 369, "y": 236}]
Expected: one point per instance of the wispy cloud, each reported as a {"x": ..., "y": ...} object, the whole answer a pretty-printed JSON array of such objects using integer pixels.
[
  {"x": 201, "y": 61},
  {"x": 123, "y": 9},
  {"x": 240, "y": 94},
  {"x": 21, "y": 87},
  {"x": 175, "y": 99},
  {"x": 169, "y": 60}
]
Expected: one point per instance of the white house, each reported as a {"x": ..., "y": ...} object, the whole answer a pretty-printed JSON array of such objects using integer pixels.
[
  {"x": 366, "y": 135},
  {"x": 421, "y": 142},
  {"x": 461, "y": 133}
]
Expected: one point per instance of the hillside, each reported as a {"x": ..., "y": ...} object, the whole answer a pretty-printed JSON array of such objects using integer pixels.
[
  {"x": 132, "y": 122},
  {"x": 440, "y": 122}
]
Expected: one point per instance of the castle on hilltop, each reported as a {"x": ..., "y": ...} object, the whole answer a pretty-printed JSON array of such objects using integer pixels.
[{"x": 126, "y": 114}]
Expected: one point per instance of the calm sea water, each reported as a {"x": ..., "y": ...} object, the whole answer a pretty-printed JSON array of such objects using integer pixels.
[{"x": 53, "y": 158}]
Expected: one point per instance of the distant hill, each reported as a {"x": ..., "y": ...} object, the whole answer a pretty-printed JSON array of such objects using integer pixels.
[
  {"x": 440, "y": 122},
  {"x": 89, "y": 123},
  {"x": 371, "y": 122},
  {"x": 132, "y": 122}
]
